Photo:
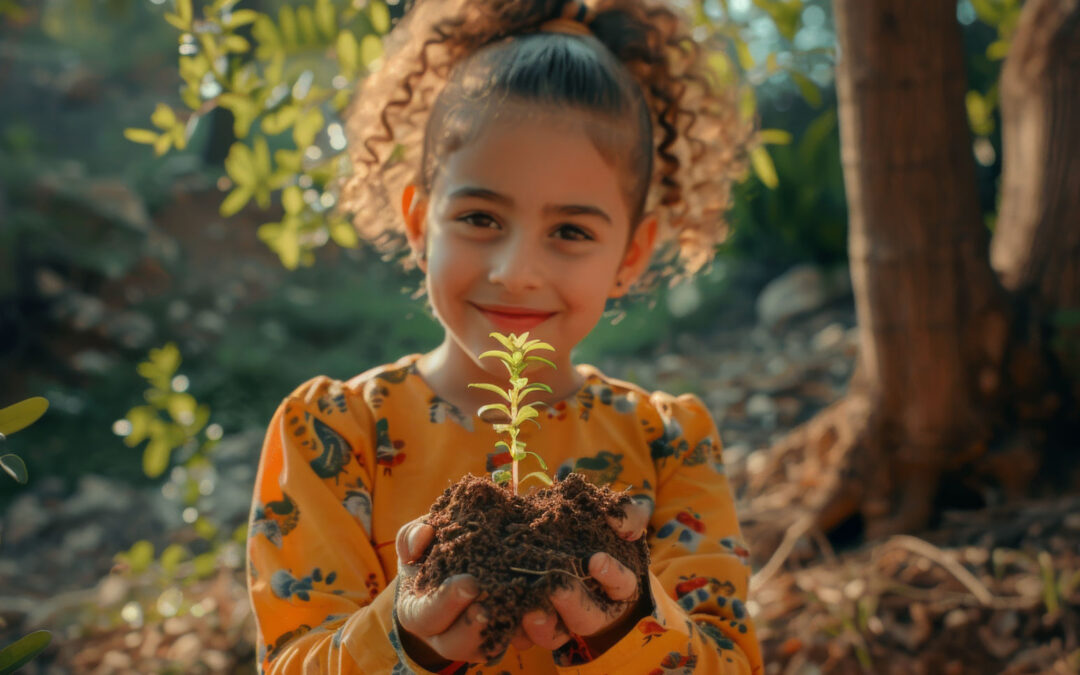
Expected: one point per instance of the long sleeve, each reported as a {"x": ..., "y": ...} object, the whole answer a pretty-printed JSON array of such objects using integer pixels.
[
  {"x": 699, "y": 573},
  {"x": 321, "y": 598}
]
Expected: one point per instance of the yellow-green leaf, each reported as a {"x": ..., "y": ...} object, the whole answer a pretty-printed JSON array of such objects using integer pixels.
[
  {"x": 325, "y": 18},
  {"x": 183, "y": 10},
  {"x": 541, "y": 359},
  {"x": 764, "y": 167},
  {"x": 538, "y": 475},
  {"x": 236, "y": 200},
  {"x": 747, "y": 103},
  {"x": 307, "y": 127},
  {"x": 305, "y": 19},
  {"x": 371, "y": 49},
  {"x": 380, "y": 16},
  {"x": 492, "y": 388},
  {"x": 22, "y": 414},
  {"x": 205, "y": 565},
  {"x": 172, "y": 556},
  {"x": 997, "y": 50},
  {"x": 177, "y": 23},
  {"x": 241, "y": 17},
  {"x": 742, "y": 51},
  {"x": 343, "y": 234},
  {"x": 162, "y": 144},
  {"x": 807, "y": 88},
  {"x": 494, "y": 406},
  {"x": 235, "y": 44},
  {"x": 774, "y": 136},
  {"x": 348, "y": 52},
  {"x": 292, "y": 199},
  {"x": 156, "y": 457},
  {"x": 163, "y": 117},
  {"x": 501, "y": 476},
  {"x": 287, "y": 23},
  {"x": 22, "y": 651}
]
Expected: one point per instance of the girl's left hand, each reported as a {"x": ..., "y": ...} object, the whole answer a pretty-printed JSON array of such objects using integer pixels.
[{"x": 576, "y": 613}]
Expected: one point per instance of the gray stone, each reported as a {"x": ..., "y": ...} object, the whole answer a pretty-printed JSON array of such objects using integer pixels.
[
  {"x": 801, "y": 289},
  {"x": 25, "y": 518},
  {"x": 95, "y": 494}
]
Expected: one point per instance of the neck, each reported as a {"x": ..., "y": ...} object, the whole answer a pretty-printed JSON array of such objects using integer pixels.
[{"x": 448, "y": 370}]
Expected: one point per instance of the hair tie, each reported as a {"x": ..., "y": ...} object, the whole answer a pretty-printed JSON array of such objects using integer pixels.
[{"x": 574, "y": 19}]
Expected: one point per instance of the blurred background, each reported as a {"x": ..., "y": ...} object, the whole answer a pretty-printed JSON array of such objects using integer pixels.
[{"x": 170, "y": 270}]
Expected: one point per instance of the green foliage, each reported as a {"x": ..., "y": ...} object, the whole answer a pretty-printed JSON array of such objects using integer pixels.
[
  {"x": 15, "y": 418},
  {"x": 517, "y": 359},
  {"x": 171, "y": 419},
  {"x": 285, "y": 79},
  {"x": 22, "y": 651}
]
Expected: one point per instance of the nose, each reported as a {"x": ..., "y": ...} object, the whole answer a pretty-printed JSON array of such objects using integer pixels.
[{"x": 515, "y": 265}]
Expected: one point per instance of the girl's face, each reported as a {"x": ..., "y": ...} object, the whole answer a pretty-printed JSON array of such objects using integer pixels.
[{"x": 527, "y": 229}]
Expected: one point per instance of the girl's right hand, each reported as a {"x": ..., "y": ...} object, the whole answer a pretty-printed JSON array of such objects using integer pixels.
[{"x": 443, "y": 625}]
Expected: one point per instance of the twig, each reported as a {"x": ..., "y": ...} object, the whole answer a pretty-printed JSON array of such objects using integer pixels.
[
  {"x": 791, "y": 537},
  {"x": 928, "y": 550},
  {"x": 546, "y": 572}
]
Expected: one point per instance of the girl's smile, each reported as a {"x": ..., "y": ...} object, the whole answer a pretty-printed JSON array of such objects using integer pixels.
[{"x": 512, "y": 319}]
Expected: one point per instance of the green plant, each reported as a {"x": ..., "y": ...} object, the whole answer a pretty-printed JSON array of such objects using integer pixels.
[
  {"x": 14, "y": 418},
  {"x": 516, "y": 358}
]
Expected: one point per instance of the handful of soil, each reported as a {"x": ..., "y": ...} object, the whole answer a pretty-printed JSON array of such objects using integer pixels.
[{"x": 520, "y": 548}]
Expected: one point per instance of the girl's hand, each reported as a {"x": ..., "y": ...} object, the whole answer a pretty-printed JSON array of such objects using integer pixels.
[
  {"x": 576, "y": 613},
  {"x": 442, "y": 625}
]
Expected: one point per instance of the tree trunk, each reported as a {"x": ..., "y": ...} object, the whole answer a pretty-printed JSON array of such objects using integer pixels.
[
  {"x": 1036, "y": 244},
  {"x": 931, "y": 314},
  {"x": 955, "y": 390}
]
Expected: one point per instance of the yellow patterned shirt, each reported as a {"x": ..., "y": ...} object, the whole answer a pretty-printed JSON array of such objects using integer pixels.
[{"x": 345, "y": 464}]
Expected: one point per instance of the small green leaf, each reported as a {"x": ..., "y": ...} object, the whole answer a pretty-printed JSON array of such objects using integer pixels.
[
  {"x": 307, "y": 127},
  {"x": 22, "y": 414},
  {"x": 742, "y": 51},
  {"x": 163, "y": 117},
  {"x": 292, "y": 199},
  {"x": 348, "y": 52},
  {"x": 997, "y": 50},
  {"x": 540, "y": 359},
  {"x": 343, "y": 234},
  {"x": 494, "y": 406},
  {"x": 287, "y": 23},
  {"x": 172, "y": 556},
  {"x": 807, "y": 88},
  {"x": 144, "y": 136},
  {"x": 503, "y": 340},
  {"x": 774, "y": 136},
  {"x": 380, "y": 16},
  {"x": 536, "y": 386},
  {"x": 14, "y": 465},
  {"x": 236, "y": 200},
  {"x": 235, "y": 44},
  {"x": 325, "y": 18},
  {"x": 156, "y": 457},
  {"x": 526, "y": 412},
  {"x": 371, "y": 49},
  {"x": 502, "y": 356},
  {"x": 22, "y": 651},
  {"x": 305, "y": 19},
  {"x": 500, "y": 476},
  {"x": 139, "y": 556},
  {"x": 205, "y": 565},
  {"x": 538, "y": 475},
  {"x": 543, "y": 464},
  {"x": 764, "y": 167},
  {"x": 502, "y": 445},
  {"x": 241, "y": 17},
  {"x": 491, "y": 388}
]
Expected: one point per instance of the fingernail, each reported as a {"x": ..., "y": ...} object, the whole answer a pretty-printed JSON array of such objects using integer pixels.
[
  {"x": 468, "y": 589},
  {"x": 481, "y": 617},
  {"x": 539, "y": 620},
  {"x": 414, "y": 542},
  {"x": 605, "y": 565}
]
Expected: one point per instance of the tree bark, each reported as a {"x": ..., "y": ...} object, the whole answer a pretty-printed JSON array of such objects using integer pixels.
[{"x": 932, "y": 316}]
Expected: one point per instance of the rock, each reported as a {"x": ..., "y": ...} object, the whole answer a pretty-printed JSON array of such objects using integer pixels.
[
  {"x": 95, "y": 494},
  {"x": 84, "y": 539},
  {"x": 828, "y": 338},
  {"x": 764, "y": 408},
  {"x": 185, "y": 650},
  {"x": 26, "y": 517},
  {"x": 801, "y": 289}
]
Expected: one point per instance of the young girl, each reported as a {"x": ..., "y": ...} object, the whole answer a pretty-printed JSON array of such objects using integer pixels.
[{"x": 543, "y": 151}]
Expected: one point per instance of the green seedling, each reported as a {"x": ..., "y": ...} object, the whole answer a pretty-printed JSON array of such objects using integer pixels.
[{"x": 516, "y": 358}]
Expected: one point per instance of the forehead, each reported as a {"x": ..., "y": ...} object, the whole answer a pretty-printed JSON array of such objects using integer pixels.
[{"x": 535, "y": 158}]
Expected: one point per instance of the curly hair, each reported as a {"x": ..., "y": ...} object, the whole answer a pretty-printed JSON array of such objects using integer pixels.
[{"x": 450, "y": 64}]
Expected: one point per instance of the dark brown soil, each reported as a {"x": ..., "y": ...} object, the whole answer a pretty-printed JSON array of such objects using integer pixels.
[{"x": 521, "y": 548}]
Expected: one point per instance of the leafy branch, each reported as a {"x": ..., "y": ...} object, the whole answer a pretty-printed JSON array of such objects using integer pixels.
[{"x": 516, "y": 358}]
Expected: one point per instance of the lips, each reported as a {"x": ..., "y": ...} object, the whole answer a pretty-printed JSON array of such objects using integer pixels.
[{"x": 513, "y": 319}]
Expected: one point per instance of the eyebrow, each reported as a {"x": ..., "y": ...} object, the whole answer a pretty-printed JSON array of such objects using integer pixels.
[{"x": 558, "y": 209}]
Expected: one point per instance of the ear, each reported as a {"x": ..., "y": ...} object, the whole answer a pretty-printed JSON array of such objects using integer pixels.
[
  {"x": 637, "y": 257},
  {"x": 414, "y": 211}
]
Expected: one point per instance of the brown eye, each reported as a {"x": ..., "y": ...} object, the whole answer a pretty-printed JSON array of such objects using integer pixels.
[
  {"x": 481, "y": 220},
  {"x": 573, "y": 233}
]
